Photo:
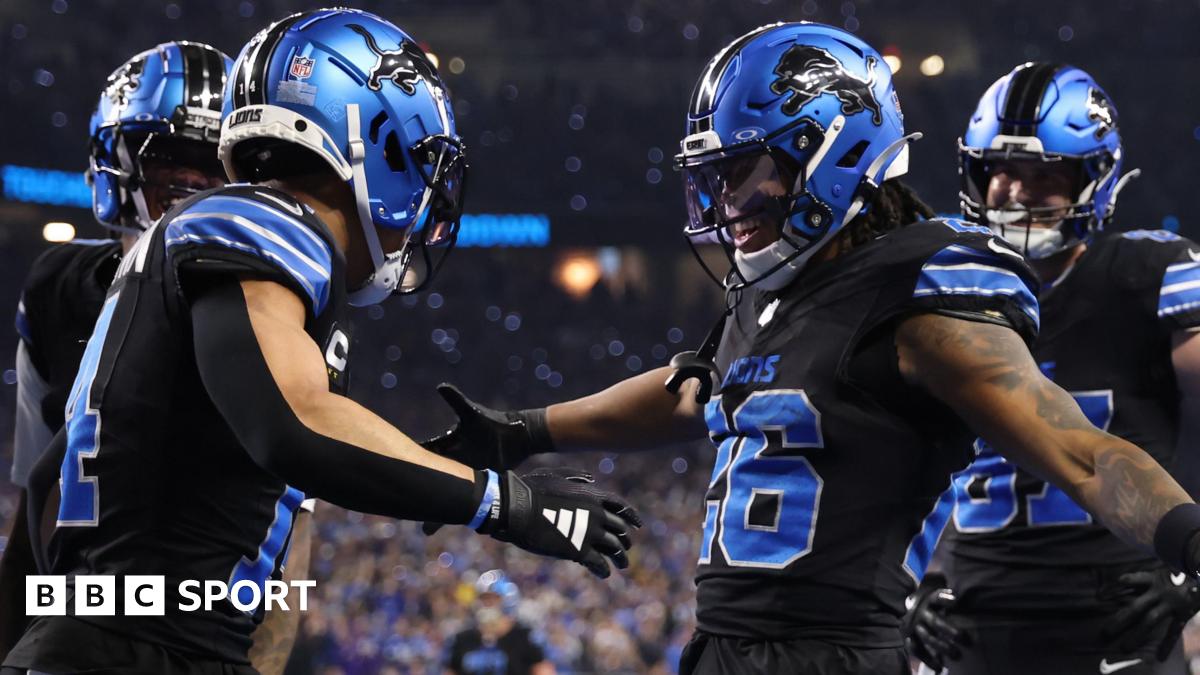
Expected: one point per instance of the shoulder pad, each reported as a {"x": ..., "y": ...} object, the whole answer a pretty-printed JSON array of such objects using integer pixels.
[
  {"x": 63, "y": 259},
  {"x": 58, "y": 277},
  {"x": 1137, "y": 260},
  {"x": 975, "y": 271},
  {"x": 260, "y": 224}
]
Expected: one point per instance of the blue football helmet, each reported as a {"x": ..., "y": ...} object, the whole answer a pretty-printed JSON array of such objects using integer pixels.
[
  {"x": 164, "y": 103},
  {"x": 798, "y": 122},
  {"x": 358, "y": 94},
  {"x": 1053, "y": 113},
  {"x": 496, "y": 582}
]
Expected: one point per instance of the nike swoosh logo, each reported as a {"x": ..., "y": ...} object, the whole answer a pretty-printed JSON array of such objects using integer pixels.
[
  {"x": 768, "y": 313},
  {"x": 1003, "y": 250},
  {"x": 1195, "y": 255},
  {"x": 290, "y": 208},
  {"x": 1178, "y": 579},
  {"x": 1106, "y": 667}
]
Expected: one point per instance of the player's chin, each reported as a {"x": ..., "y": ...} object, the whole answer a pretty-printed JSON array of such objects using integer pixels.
[{"x": 752, "y": 235}]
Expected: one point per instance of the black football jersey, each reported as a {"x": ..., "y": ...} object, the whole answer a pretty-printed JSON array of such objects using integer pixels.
[
  {"x": 1021, "y": 544},
  {"x": 59, "y": 305},
  {"x": 154, "y": 482},
  {"x": 828, "y": 463}
]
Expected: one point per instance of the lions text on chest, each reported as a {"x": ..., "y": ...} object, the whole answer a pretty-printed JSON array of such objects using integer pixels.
[{"x": 752, "y": 369}]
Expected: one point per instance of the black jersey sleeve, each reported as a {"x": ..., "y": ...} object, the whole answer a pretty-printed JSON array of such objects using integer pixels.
[
  {"x": 974, "y": 275},
  {"x": 257, "y": 233},
  {"x": 1171, "y": 267}
]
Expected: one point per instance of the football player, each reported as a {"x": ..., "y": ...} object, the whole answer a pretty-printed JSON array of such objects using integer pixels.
[
  {"x": 153, "y": 141},
  {"x": 209, "y": 402},
  {"x": 497, "y": 643},
  {"x": 861, "y": 355},
  {"x": 1041, "y": 585}
]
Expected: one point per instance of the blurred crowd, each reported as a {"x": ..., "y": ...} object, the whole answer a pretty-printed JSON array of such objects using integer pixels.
[{"x": 388, "y": 597}]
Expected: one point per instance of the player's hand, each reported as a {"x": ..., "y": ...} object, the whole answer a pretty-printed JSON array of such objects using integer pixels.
[
  {"x": 562, "y": 514},
  {"x": 929, "y": 633},
  {"x": 1159, "y": 598},
  {"x": 490, "y": 439}
]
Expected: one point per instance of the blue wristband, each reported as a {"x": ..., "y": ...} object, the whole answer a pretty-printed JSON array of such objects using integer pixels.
[{"x": 491, "y": 497}]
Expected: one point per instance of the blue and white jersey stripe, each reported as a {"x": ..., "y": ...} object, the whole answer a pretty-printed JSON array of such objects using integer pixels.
[
  {"x": 1180, "y": 290},
  {"x": 961, "y": 270},
  {"x": 921, "y": 547},
  {"x": 261, "y": 230}
]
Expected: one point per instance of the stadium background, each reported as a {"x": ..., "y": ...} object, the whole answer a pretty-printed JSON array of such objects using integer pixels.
[{"x": 578, "y": 276}]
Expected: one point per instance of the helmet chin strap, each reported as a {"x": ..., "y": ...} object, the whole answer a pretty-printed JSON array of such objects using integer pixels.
[
  {"x": 384, "y": 277},
  {"x": 388, "y": 268},
  {"x": 772, "y": 267},
  {"x": 144, "y": 221},
  {"x": 1038, "y": 243}
]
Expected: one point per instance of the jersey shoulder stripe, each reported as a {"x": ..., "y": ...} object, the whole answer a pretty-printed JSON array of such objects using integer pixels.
[
  {"x": 260, "y": 229},
  {"x": 1180, "y": 289},
  {"x": 959, "y": 270},
  {"x": 1162, "y": 265}
]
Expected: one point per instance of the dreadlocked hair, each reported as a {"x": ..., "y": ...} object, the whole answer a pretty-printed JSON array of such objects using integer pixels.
[{"x": 894, "y": 206}]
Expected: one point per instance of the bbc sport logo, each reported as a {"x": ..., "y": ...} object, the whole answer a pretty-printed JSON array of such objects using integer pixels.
[{"x": 145, "y": 595}]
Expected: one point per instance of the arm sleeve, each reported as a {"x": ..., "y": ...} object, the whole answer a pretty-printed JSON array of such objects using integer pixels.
[
  {"x": 980, "y": 278},
  {"x": 32, "y": 433},
  {"x": 237, "y": 378},
  {"x": 226, "y": 232}
]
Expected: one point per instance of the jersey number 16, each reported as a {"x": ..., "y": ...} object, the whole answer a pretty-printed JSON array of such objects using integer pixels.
[{"x": 772, "y": 493}]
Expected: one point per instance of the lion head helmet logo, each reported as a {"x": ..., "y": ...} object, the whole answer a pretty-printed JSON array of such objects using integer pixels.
[
  {"x": 124, "y": 81},
  {"x": 1101, "y": 112},
  {"x": 404, "y": 67},
  {"x": 807, "y": 72}
]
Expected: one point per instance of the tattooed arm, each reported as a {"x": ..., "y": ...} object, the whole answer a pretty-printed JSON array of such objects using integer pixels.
[
  {"x": 274, "y": 637},
  {"x": 985, "y": 373}
]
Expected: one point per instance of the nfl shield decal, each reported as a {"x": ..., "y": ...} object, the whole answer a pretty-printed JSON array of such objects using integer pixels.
[{"x": 302, "y": 67}]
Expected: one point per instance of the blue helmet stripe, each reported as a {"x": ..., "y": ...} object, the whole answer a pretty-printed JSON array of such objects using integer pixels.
[
  {"x": 959, "y": 270},
  {"x": 1180, "y": 290}
]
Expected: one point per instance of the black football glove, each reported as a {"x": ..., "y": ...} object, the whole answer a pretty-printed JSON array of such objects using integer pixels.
[
  {"x": 928, "y": 631},
  {"x": 490, "y": 439},
  {"x": 1158, "y": 598},
  {"x": 560, "y": 513}
]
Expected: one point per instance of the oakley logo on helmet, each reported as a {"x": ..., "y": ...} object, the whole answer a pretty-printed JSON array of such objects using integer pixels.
[
  {"x": 1100, "y": 110},
  {"x": 124, "y": 81},
  {"x": 807, "y": 72},
  {"x": 404, "y": 67}
]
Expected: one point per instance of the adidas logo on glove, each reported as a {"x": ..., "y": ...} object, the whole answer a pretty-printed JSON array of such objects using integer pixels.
[{"x": 563, "y": 518}]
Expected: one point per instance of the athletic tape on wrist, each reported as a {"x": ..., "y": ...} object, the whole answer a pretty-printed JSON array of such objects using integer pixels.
[{"x": 491, "y": 498}]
